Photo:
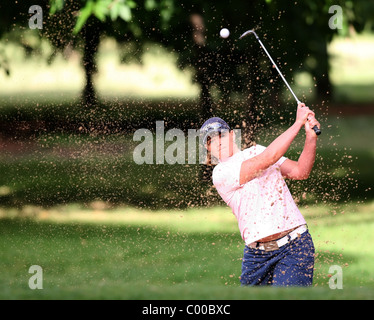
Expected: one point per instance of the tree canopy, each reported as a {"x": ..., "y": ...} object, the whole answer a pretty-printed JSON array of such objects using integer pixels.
[{"x": 297, "y": 33}]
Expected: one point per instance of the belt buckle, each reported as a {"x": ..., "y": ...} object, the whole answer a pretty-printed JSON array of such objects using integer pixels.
[{"x": 270, "y": 246}]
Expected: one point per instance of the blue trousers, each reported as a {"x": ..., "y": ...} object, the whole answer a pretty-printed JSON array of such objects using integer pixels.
[{"x": 290, "y": 265}]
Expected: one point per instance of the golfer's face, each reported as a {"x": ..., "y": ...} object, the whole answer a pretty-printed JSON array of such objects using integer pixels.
[{"x": 221, "y": 145}]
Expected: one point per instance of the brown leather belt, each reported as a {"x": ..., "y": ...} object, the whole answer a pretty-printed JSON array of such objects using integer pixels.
[{"x": 276, "y": 244}]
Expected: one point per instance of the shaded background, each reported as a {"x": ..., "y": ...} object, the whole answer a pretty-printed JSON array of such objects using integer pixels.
[
  {"x": 76, "y": 90},
  {"x": 73, "y": 93}
]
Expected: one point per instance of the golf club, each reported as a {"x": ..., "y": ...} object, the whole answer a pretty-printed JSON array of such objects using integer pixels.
[{"x": 315, "y": 128}]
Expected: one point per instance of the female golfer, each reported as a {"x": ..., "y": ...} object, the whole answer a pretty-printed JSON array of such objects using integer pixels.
[{"x": 278, "y": 248}]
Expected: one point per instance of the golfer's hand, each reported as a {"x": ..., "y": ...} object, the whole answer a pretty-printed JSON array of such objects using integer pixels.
[
  {"x": 309, "y": 127},
  {"x": 303, "y": 113}
]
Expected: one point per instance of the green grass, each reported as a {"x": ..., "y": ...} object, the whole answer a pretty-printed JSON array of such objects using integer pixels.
[
  {"x": 130, "y": 235},
  {"x": 127, "y": 253}
]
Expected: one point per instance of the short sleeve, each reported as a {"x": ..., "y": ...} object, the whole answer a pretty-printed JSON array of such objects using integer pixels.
[
  {"x": 280, "y": 161},
  {"x": 226, "y": 178}
]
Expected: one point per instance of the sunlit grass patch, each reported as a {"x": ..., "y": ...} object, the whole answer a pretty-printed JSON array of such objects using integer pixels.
[{"x": 96, "y": 251}]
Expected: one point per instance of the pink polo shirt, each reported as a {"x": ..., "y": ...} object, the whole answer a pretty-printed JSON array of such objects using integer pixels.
[{"x": 263, "y": 206}]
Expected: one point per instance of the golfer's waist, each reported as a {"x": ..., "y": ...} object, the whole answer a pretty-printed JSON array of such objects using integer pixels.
[{"x": 281, "y": 241}]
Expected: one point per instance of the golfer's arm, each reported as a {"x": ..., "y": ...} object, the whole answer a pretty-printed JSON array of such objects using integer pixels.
[
  {"x": 252, "y": 167},
  {"x": 300, "y": 169}
]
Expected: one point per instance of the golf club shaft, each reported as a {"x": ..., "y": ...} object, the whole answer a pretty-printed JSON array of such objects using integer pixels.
[{"x": 315, "y": 128}]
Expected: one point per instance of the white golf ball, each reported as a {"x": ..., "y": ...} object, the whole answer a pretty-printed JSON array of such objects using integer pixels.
[{"x": 224, "y": 33}]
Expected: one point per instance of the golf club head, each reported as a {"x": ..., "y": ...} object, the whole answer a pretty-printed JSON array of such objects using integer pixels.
[{"x": 247, "y": 33}]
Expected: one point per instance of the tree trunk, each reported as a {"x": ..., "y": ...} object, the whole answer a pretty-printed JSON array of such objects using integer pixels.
[
  {"x": 206, "y": 101},
  {"x": 91, "y": 34},
  {"x": 322, "y": 74},
  {"x": 202, "y": 65}
]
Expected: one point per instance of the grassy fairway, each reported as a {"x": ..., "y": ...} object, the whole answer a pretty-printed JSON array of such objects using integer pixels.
[
  {"x": 125, "y": 253},
  {"x": 95, "y": 251}
]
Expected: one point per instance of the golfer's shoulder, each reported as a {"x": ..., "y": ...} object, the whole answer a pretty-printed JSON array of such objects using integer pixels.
[
  {"x": 258, "y": 148},
  {"x": 253, "y": 151},
  {"x": 228, "y": 167},
  {"x": 217, "y": 170},
  {"x": 222, "y": 170}
]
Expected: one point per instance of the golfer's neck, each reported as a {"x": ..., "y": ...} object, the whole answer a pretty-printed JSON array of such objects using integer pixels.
[{"x": 235, "y": 150}]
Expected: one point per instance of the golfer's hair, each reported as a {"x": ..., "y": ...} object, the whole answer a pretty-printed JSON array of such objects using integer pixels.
[{"x": 210, "y": 160}]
